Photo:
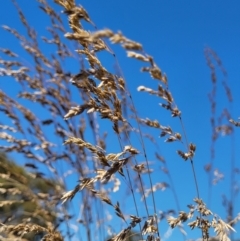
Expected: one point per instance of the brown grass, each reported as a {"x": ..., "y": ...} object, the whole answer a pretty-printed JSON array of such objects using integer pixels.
[{"x": 103, "y": 96}]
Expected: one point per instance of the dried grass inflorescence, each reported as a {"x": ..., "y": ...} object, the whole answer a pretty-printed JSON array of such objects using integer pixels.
[
  {"x": 104, "y": 96},
  {"x": 202, "y": 222}
]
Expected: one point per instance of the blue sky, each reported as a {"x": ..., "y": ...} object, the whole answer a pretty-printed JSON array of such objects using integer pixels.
[{"x": 175, "y": 33}]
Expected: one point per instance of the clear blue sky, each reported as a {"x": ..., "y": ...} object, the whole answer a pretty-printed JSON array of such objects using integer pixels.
[{"x": 175, "y": 33}]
